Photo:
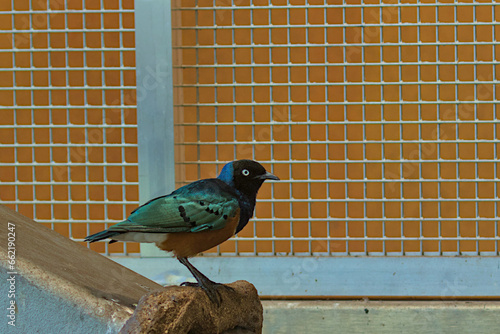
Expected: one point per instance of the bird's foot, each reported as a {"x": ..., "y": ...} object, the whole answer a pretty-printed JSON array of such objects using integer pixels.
[
  {"x": 194, "y": 284},
  {"x": 211, "y": 289}
]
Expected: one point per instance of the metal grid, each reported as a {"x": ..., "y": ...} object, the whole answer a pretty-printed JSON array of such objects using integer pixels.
[
  {"x": 68, "y": 131},
  {"x": 380, "y": 120}
]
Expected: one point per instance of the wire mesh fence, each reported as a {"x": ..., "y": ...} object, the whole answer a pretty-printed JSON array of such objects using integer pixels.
[
  {"x": 380, "y": 119},
  {"x": 68, "y": 127}
]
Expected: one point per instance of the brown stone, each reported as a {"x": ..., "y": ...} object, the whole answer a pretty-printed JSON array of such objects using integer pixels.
[{"x": 179, "y": 310}]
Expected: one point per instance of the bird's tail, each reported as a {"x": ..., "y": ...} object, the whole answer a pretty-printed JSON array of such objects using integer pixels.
[{"x": 101, "y": 235}]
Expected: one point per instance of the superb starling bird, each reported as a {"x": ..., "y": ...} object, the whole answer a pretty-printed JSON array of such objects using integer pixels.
[{"x": 195, "y": 217}]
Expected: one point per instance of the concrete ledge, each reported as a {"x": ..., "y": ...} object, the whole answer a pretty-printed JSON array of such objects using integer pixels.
[
  {"x": 58, "y": 286},
  {"x": 381, "y": 317},
  {"x": 358, "y": 277}
]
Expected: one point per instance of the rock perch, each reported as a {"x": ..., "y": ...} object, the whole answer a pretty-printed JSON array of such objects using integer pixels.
[{"x": 182, "y": 310}]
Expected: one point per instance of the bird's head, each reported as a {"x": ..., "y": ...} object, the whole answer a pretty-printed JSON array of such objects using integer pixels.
[{"x": 246, "y": 176}]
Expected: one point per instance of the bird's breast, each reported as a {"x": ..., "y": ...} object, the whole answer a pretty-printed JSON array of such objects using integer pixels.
[{"x": 187, "y": 244}]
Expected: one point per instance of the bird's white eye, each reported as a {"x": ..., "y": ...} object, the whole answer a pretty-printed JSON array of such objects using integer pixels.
[{"x": 245, "y": 172}]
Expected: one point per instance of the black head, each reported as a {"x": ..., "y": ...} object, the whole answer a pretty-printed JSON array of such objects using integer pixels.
[{"x": 246, "y": 176}]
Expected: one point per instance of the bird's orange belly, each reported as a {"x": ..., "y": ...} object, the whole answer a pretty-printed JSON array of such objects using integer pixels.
[{"x": 187, "y": 244}]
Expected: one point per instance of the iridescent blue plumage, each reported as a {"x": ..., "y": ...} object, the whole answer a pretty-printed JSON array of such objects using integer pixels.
[
  {"x": 246, "y": 203},
  {"x": 227, "y": 173}
]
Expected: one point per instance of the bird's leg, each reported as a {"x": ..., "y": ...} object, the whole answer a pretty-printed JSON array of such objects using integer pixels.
[
  {"x": 204, "y": 282},
  {"x": 200, "y": 278}
]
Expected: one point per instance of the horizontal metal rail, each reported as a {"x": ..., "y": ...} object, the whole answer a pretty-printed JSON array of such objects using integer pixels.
[
  {"x": 341, "y": 25},
  {"x": 65, "y": 30},
  {"x": 324, "y": 142},
  {"x": 323, "y": 65},
  {"x": 343, "y": 84},
  {"x": 338, "y": 45},
  {"x": 271, "y": 6},
  {"x": 66, "y": 49},
  {"x": 55, "y": 11}
]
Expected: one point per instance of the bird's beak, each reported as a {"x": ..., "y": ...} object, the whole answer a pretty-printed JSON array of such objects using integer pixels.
[{"x": 268, "y": 176}]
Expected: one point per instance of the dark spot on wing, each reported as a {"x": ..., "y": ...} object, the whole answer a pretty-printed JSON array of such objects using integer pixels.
[
  {"x": 225, "y": 216},
  {"x": 182, "y": 211},
  {"x": 212, "y": 211},
  {"x": 202, "y": 203}
]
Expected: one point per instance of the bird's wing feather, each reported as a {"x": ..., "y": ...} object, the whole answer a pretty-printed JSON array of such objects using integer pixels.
[{"x": 193, "y": 208}]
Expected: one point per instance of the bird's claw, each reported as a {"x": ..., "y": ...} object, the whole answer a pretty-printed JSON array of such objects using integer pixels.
[
  {"x": 194, "y": 284},
  {"x": 213, "y": 294},
  {"x": 211, "y": 289}
]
